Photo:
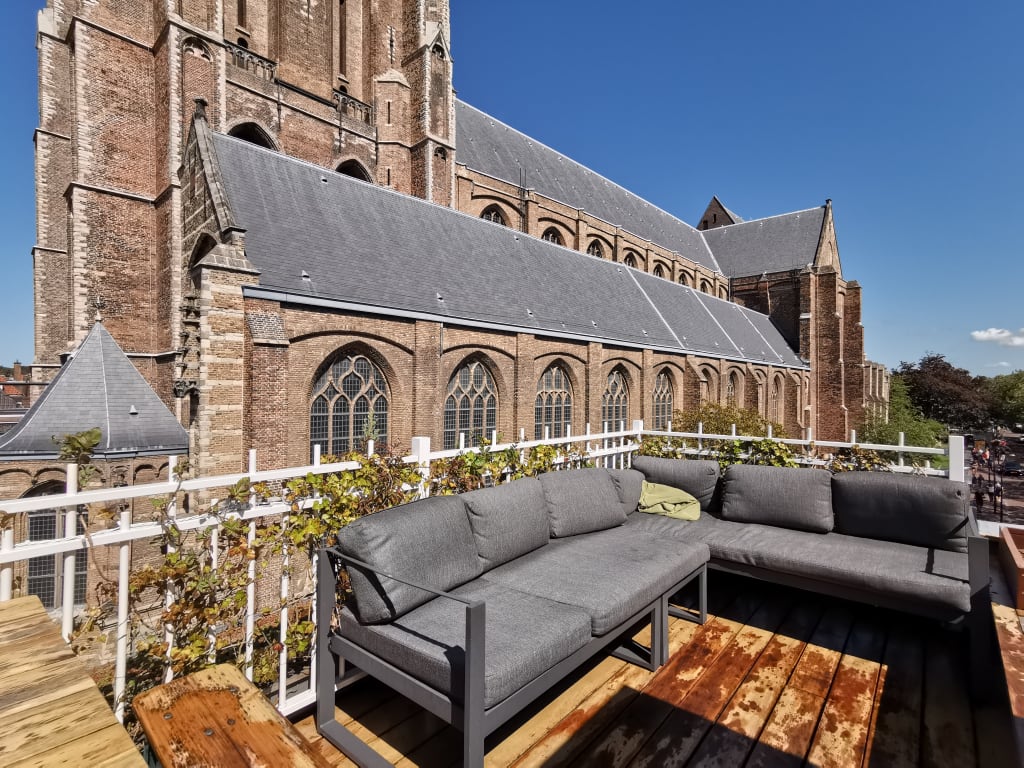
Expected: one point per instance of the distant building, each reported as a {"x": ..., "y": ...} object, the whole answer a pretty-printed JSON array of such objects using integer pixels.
[{"x": 272, "y": 302}]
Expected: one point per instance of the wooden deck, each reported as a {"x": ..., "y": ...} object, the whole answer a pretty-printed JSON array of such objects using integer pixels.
[
  {"x": 51, "y": 711},
  {"x": 776, "y": 677}
]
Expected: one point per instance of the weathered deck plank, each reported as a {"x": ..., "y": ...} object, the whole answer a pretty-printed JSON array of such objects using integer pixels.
[{"x": 776, "y": 677}]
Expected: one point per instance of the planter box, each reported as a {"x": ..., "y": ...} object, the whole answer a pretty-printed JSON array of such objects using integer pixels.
[{"x": 1011, "y": 542}]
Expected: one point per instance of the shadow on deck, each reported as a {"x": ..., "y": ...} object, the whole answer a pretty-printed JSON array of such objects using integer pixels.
[{"x": 777, "y": 677}]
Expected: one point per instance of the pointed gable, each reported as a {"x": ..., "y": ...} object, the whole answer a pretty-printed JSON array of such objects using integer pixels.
[{"x": 98, "y": 387}]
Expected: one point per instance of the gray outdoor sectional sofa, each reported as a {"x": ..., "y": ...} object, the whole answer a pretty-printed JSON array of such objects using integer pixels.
[{"x": 536, "y": 576}]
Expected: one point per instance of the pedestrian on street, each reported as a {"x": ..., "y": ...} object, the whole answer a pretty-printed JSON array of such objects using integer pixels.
[{"x": 979, "y": 497}]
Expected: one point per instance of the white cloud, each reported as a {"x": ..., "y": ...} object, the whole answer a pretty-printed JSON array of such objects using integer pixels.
[
  {"x": 1000, "y": 336},
  {"x": 1000, "y": 364}
]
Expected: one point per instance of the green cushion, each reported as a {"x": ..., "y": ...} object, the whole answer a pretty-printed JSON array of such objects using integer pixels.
[{"x": 659, "y": 499}]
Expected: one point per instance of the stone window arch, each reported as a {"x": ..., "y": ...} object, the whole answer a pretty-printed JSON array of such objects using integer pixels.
[
  {"x": 615, "y": 401},
  {"x": 663, "y": 400},
  {"x": 595, "y": 249},
  {"x": 471, "y": 404},
  {"x": 349, "y": 405},
  {"x": 775, "y": 400},
  {"x": 45, "y": 573},
  {"x": 708, "y": 385},
  {"x": 254, "y": 134},
  {"x": 659, "y": 271},
  {"x": 723, "y": 292},
  {"x": 493, "y": 214},
  {"x": 733, "y": 390},
  {"x": 630, "y": 260},
  {"x": 355, "y": 169},
  {"x": 552, "y": 409},
  {"x": 705, "y": 286},
  {"x": 685, "y": 279},
  {"x": 552, "y": 236}
]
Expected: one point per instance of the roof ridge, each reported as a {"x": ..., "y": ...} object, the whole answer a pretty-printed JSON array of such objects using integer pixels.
[{"x": 765, "y": 218}]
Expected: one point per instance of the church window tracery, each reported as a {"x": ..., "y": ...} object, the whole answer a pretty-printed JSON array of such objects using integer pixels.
[
  {"x": 615, "y": 401},
  {"x": 471, "y": 407},
  {"x": 552, "y": 236},
  {"x": 662, "y": 400},
  {"x": 595, "y": 249},
  {"x": 553, "y": 406},
  {"x": 349, "y": 406},
  {"x": 493, "y": 214}
]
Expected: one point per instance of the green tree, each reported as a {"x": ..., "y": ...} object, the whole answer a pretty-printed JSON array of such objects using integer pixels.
[
  {"x": 718, "y": 419},
  {"x": 905, "y": 417},
  {"x": 948, "y": 394},
  {"x": 1007, "y": 393}
]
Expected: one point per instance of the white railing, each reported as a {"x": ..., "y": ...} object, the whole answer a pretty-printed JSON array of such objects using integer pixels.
[{"x": 610, "y": 448}]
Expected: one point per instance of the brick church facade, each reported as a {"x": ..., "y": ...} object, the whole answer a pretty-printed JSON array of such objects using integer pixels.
[{"x": 194, "y": 182}]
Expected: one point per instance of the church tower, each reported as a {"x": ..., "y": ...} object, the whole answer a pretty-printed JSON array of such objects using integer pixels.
[{"x": 361, "y": 87}]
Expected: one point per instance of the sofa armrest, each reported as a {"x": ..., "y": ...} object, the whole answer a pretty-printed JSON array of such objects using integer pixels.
[
  {"x": 972, "y": 523},
  {"x": 978, "y": 570}
]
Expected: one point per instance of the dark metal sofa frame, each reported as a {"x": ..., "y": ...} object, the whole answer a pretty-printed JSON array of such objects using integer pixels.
[{"x": 470, "y": 717}]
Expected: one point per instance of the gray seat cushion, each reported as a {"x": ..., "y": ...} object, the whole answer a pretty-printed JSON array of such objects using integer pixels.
[
  {"x": 507, "y": 520},
  {"x": 525, "y": 636},
  {"x": 926, "y": 511},
  {"x": 427, "y": 541},
  {"x": 782, "y": 496},
  {"x": 581, "y": 501},
  {"x": 610, "y": 574},
  {"x": 698, "y": 477},
  {"x": 937, "y": 578},
  {"x": 629, "y": 484}
]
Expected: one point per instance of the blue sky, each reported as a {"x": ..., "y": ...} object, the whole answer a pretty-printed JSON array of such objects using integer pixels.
[{"x": 912, "y": 124}]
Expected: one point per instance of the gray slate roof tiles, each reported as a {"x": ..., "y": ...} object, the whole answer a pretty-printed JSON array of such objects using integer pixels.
[
  {"x": 487, "y": 145},
  {"x": 774, "y": 244},
  {"x": 318, "y": 236},
  {"x": 98, "y": 387}
]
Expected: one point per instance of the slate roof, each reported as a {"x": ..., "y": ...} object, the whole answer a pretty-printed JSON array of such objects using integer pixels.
[
  {"x": 319, "y": 237},
  {"x": 97, "y": 387},
  {"x": 774, "y": 244},
  {"x": 487, "y": 145}
]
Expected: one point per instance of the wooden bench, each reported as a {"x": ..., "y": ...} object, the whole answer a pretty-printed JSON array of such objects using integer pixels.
[
  {"x": 217, "y": 718},
  {"x": 51, "y": 710}
]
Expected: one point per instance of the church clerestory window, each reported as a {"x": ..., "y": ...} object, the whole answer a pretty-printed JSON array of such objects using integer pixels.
[
  {"x": 552, "y": 236},
  {"x": 595, "y": 249},
  {"x": 493, "y": 214}
]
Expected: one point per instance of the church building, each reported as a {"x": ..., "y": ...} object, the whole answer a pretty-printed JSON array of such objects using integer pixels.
[{"x": 301, "y": 238}]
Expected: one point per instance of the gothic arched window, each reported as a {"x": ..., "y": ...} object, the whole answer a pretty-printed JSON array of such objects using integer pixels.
[
  {"x": 774, "y": 400},
  {"x": 595, "y": 249},
  {"x": 630, "y": 260},
  {"x": 552, "y": 236},
  {"x": 553, "y": 407},
  {"x": 615, "y": 401},
  {"x": 732, "y": 388},
  {"x": 471, "y": 407},
  {"x": 684, "y": 279},
  {"x": 662, "y": 400},
  {"x": 349, "y": 406},
  {"x": 659, "y": 272},
  {"x": 493, "y": 214}
]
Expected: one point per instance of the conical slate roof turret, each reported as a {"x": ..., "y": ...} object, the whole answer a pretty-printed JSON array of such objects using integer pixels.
[{"x": 97, "y": 387}]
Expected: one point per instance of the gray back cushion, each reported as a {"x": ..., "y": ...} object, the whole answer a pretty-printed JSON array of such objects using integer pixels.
[
  {"x": 925, "y": 511},
  {"x": 629, "y": 483},
  {"x": 781, "y": 496},
  {"x": 698, "y": 477},
  {"x": 581, "y": 501},
  {"x": 507, "y": 520},
  {"x": 427, "y": 541}
]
